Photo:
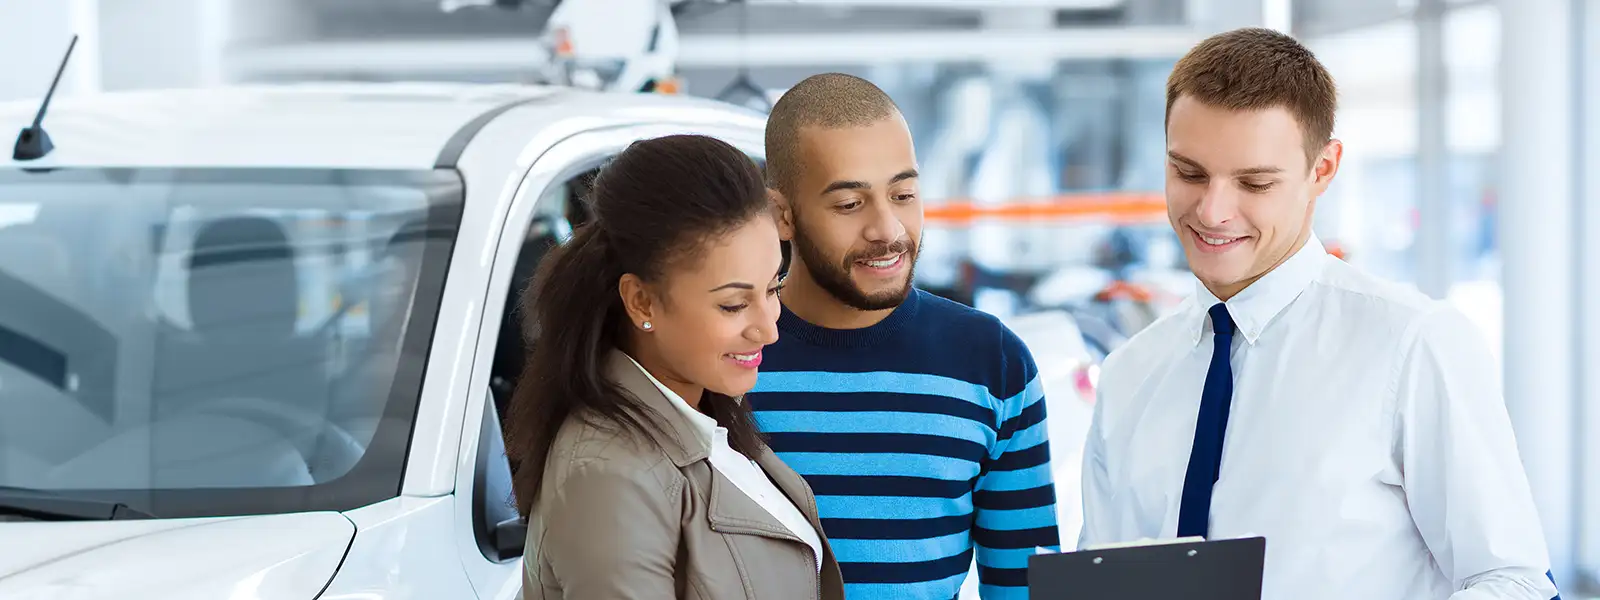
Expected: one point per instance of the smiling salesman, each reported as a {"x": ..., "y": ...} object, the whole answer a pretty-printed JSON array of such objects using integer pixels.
[
  {"x": 919, "y": 422},
  {"x": 1354, "y": 423}
]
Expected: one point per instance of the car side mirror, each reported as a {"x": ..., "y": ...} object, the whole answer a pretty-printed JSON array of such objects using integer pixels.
[
  {"x": 498, "y": 527},
  {"x": 510, "y": 537}
]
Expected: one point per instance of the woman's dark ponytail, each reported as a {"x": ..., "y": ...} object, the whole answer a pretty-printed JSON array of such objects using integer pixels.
[
  {"x": 655, "y": 204},
  {"x": 574, "y": 299}
]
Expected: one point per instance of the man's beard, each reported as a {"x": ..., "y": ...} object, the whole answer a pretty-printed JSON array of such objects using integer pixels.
[{"x": 834, "y": 278}]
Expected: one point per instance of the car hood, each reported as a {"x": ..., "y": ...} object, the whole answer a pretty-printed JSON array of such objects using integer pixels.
[{"x": 269, "y": 557}]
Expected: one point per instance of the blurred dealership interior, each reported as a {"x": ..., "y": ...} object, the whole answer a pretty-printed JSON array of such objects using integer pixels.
[{"x": 1471, "y": 131}]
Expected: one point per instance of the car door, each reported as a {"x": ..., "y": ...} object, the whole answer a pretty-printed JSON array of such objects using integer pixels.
[{"x": 542, "y": 214}]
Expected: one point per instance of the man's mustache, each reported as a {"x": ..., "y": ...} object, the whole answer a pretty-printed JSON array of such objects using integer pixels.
[{"x": 882, "y": 250}]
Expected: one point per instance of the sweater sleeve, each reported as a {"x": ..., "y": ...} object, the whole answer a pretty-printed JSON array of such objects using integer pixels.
[{"x": 1015, "y": 500}]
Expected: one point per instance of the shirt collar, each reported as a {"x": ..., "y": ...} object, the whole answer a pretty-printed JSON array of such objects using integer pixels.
[
  {"x": 705, "y": 427},
  {"x": 1255, "y": 306}
]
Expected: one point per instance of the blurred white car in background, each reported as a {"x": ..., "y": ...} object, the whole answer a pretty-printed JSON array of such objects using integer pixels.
[{"x": 1069, "y": 372}]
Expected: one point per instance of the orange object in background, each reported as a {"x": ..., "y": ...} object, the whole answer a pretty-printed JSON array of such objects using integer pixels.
[
  {"x": 1120, "y": 208},
  {"x": 1336, "y": 249},
  {"x": 563, "y": 43},
  {"x": 1122, "y": 290},
  {"x": 1128, "y": 208},
  {"x": 669, "y": 86}
]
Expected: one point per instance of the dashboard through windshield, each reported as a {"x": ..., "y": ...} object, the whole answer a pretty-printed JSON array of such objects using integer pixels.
[{"x": 201, "y": 342}]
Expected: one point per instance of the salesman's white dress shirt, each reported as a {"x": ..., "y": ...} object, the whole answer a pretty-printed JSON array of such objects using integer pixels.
[
  {"x": 743, "y": 472},
  {"x": 1367, "y": 441}
]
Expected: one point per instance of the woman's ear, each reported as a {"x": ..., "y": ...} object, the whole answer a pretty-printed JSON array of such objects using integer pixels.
[{"x": 636, "y": 299}]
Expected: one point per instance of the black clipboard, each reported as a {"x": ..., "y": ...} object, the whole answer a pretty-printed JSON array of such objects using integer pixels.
[{"x": 1228, "y": 569}]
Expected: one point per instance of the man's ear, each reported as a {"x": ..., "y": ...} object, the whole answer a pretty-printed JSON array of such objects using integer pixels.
[
  {"x": 784, "y": 213},
  {"x": 1326, "y": 167},
  {"x": 636, "y": 300}
]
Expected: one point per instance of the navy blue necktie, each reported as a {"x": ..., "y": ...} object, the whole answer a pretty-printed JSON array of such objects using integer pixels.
[{"x": 1205, "y": 459}]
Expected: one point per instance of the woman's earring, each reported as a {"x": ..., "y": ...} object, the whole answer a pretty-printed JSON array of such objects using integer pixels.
[{"x": 647, "y": 326}]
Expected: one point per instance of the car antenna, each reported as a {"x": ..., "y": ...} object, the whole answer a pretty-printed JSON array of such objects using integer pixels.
[{"x": 33, "y": 142}]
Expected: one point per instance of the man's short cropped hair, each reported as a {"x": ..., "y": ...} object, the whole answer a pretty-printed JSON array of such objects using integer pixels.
[
  {"x": 828, "y": 100},
  {"x": 1255, "y": 68}
]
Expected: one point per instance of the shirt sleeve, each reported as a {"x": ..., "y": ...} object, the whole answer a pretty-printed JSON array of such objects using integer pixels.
[
  {"x": 1015, "y": 500},
  {"x": 1463, "y": 477}
]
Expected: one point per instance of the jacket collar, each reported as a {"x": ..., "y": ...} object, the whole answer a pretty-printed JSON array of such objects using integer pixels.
[
  {"x": 678, "y": 437},
  {"x": 705, "y": 428},
  {"x": 682, "y": 437},
  {"x": 1255, "y": 306},
  {"x": 686, "y": 434},
  {"x": 704, "y": 431}
]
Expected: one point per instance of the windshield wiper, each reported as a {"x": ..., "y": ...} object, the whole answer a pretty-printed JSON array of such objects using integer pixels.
[{"x": 56, "y": 506}]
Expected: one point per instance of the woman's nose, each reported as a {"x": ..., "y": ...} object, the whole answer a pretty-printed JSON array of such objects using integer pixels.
[
  {"x": 765, "y": 328},
  {"x": 764, "y": 333}
]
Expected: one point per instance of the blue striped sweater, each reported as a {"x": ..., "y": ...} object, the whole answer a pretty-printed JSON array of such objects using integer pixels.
[{"x": 924, "y": 438}]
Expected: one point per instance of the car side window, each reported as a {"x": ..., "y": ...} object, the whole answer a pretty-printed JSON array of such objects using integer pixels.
[
  {"x": 556, "y": 213},
  {"x": 561, "y": 209}
]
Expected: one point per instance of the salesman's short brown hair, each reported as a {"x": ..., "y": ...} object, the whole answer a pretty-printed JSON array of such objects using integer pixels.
[{"x": 1255, "y": 68}]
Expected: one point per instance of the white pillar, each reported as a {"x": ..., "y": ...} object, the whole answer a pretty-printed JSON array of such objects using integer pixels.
[
  {"x": 1435, "y": 217},
  {"x": 1278, "y": 14},
  {"x": 33, "y": 37},
  {"x": 1589, "y": 296},
  {"x": 1537, "y": 249}
]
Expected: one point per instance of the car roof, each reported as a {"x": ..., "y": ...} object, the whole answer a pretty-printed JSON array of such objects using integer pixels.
[{"x": 322, "y": 125}]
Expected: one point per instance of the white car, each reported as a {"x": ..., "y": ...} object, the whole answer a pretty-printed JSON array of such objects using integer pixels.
[{"x": 252, "y": 339}]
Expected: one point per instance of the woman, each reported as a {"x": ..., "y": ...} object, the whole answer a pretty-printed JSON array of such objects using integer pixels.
[{"x": 640, "y": 471}]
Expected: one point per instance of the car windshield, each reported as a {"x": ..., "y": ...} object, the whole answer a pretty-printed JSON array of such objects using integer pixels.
[{"x": 217, "y": 341}]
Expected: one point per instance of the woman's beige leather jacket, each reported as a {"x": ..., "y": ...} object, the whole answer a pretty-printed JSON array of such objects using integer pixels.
[{"x": 623, "y": 517}]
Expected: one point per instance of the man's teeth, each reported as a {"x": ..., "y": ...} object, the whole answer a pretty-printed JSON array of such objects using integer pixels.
[
  {"x": 1217, "y": 241},
  {"x": 745, "y": 357},
  {"x": 887, "y": 262}
]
